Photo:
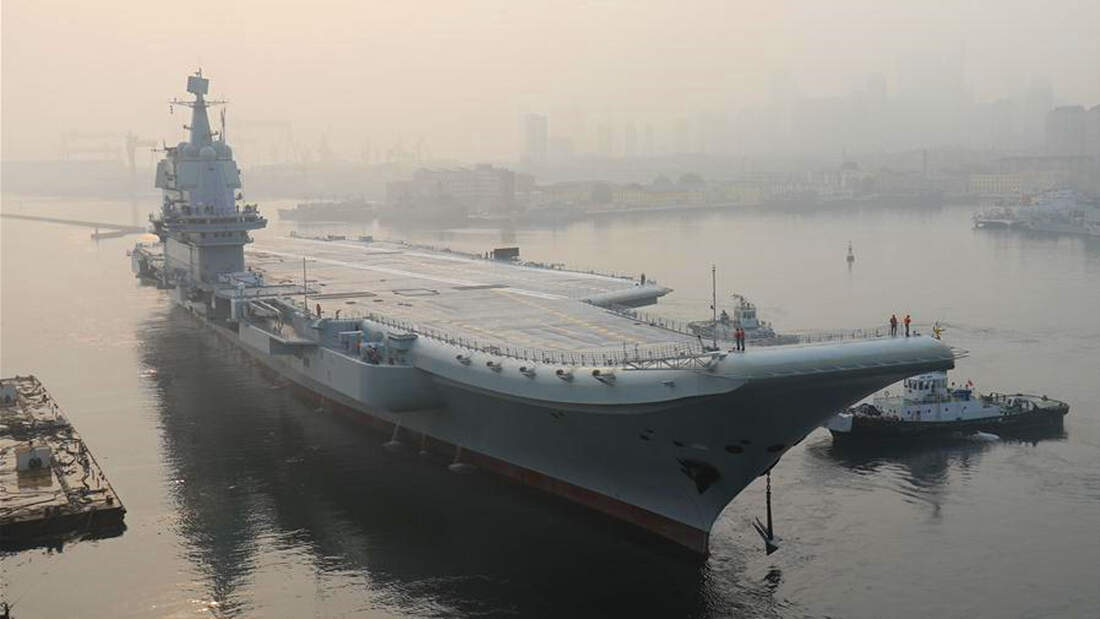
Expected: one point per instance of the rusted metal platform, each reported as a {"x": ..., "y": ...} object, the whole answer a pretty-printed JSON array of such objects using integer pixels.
[{"x": 51, "y": 488}]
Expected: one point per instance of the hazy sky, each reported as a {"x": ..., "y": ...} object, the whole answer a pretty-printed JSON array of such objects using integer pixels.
[{"x": 461, "y": 74}]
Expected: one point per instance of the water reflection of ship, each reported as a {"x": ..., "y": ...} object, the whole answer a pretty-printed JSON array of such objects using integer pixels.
[
  {"x": 927, "y": 464},
  {"x": 249, "y": 461}
]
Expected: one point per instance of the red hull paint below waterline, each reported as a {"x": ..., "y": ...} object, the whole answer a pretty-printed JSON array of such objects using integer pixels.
[
  {"x": 687, "y": 537},
  {"x": 690, "y": 538}
]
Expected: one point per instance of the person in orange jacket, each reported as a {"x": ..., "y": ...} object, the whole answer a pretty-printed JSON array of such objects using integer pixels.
[{"x": 907, "y": 321}]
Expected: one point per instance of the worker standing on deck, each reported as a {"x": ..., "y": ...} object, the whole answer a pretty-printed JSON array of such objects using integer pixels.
[
  {"x": 907, "y": 321},
  {"x": 893, "y": 325}
]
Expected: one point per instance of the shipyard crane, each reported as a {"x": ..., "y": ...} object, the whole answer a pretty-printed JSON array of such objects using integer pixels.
[
  {"x": 133, "y": 142},
  {"x": 74, "y": 143},
  {"x": 275, "y": 136}
]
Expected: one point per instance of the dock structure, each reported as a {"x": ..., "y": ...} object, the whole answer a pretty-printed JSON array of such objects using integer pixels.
[
  {"x": 50, "y": 484},
  {"x": 102, "y": 230}
]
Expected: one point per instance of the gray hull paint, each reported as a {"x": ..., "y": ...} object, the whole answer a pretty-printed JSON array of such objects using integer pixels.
[
  {"x": 503, "y": 361},
  {"x": 656, "y": 457}
]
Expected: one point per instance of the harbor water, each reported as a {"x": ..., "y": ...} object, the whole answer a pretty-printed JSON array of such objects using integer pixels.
[{"x": 246, "y": 498}]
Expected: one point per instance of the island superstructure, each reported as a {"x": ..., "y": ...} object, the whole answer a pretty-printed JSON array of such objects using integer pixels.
[{"x": 535, "y": 373}]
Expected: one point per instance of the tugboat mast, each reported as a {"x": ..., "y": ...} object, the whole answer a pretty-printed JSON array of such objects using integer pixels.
[{"x": 714, "y": 303}]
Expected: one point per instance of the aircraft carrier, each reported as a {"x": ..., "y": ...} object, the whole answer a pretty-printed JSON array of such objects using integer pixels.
[{"x": 535, "y": 373}]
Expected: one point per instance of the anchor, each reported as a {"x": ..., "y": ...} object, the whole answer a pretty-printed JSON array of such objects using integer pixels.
[{"x": 771, "y": 542}]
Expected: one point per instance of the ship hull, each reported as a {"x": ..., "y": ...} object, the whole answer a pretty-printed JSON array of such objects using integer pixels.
[
  {"x": 864, "y": 428},
  {"x": 669, "y": 468}
]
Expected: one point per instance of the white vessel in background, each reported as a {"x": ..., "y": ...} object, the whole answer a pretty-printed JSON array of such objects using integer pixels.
[
  {"x": 1058, "y": 212},
  {"x": 513, "y": 368}
]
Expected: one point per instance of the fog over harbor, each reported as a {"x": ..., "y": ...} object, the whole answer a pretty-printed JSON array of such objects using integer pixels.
[
  {"x": 442, "y": 312},
  {"x": 355, "y": 82}
]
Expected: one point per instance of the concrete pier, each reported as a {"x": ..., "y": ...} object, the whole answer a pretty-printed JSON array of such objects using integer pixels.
[{"x": 109, "y": 230}]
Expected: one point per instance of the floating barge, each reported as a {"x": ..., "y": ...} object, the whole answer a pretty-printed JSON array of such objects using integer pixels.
[{"x": 50, "y": 484}]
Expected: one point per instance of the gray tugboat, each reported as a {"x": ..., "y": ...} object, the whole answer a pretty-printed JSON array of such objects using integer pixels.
[
  {"x": 499, "y": 365},
  {"x": 744, "y": 317},
  {"x": 928, "y": 406}
]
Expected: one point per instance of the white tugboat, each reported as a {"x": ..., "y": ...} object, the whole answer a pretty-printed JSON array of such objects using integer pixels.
[{"x": 929, "y": 406}]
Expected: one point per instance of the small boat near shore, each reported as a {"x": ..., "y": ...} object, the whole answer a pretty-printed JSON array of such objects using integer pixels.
[{"x": 929, "y": 406}]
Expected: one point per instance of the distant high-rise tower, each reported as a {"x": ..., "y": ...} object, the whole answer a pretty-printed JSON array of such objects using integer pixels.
[
  {"x": 630, "y": 140},
  {"x": 535, "y": 134},
  {"x": 605, "y": 137},
  {"x": 1092, "y": 126},
  {"x": 683, "y": 136}
]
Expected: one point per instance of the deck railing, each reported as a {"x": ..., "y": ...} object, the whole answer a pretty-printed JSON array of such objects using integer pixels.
[
  {"x": 688, "y": 354},
  {"x": 806, "y": 337},
  {"x": 657, "y": 356}
]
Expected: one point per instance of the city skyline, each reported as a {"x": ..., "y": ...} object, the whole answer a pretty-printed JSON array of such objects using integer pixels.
[{"x": 439, "y": 80}]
